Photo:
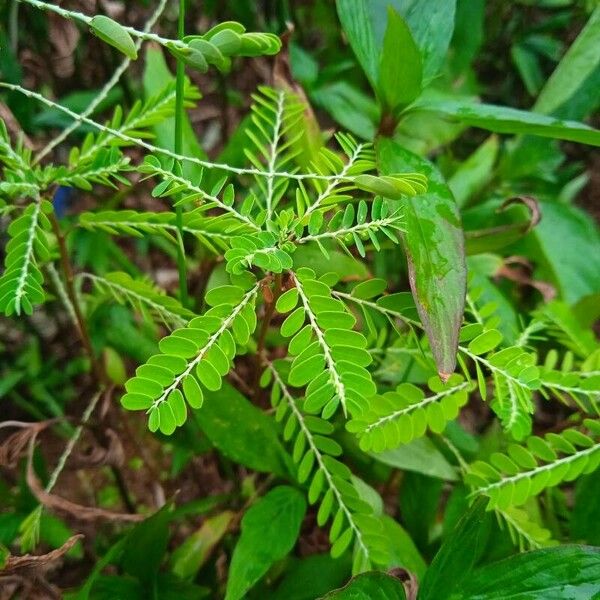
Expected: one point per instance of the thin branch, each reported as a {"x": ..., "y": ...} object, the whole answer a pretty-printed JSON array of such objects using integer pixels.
[
  {"x": 103, "y": 93},
  {"x": 336, "y": 179}
]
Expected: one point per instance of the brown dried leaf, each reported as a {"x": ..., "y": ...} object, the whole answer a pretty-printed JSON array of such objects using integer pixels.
[
  {"x": 14, "y": 446},
  {"x": 29, "y": 561}
]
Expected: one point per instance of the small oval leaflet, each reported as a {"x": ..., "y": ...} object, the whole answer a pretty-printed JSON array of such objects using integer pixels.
[{"x": 114, "y": 34}]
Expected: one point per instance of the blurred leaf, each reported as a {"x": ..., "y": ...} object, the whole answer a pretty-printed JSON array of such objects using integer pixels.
[
  {"x": 270, "y": 529},
  {"x": 354, "y": 110},
  {"x": 420, "y": 456},
  {"x": 528, "y": 65},
  {"x": 475, "y": 172},
  {"x": 435, "y": 250},
  {"x": 400, "y": 69},
  {"x": 188, "y": 558},
  {"x": 585, "y": 525},
  {"x": 580, "y": 60},
  {"x": 55, "y": 533},
  {"x": 419, "y": 499},
  {"x": 454, "y": 561},
  {"x": 468, "y": 34},
  {"x": 109, "y": 557},
  {"x": 562, "y": 572},
  {"x": 242, "y": 432},
  {"x": 370, "y": 586},
  {"x": 503, "y": 119}
]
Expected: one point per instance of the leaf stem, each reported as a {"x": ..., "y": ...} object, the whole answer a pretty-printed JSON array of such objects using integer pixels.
[
  {"x": 178, "y": 146},
  {"x": 269, "y": 311},
  {"x": 67, "y": 269}
]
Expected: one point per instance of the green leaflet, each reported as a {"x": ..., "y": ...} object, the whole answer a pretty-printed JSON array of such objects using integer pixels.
[
  {"x": 510, "y": 479},
  {"x": 149, "y": 300},
  {"x": 435, "y": 250},
  {"x": 114, "y": 34},
  {"x": 352, "y": 226},
  {"x": 214, "y": 233},
  {"x": 259, "y": 250},
  {"x": 204, "y": 350},
  {"x": 398, "y": 417}
]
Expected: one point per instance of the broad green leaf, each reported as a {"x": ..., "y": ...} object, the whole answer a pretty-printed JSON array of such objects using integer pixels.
[
  {"x": 573, "y": 267},
  {"x": 434, "y": 247},
  {"x": 400, "y": 69},
  {"x": 420, "y": 456},
  {"x": 146, "y": 544},
  {"x": 356, "y": 19},
  {"x": 114, "y": 34},
  {"x": 313, "y": 576},
  {"x": 242, "y": 432},
  {"x": 188, "y": 558},
  {"x": 370, "y": 586},
  {"x": 401, "y": 548},
  {"x": 579, "y": 62},
  {"x": 503, "y": 119},
  {"x": 561, "y": 572},
  {"x": 431, "y": 23},
  {"x": 270, "y": 529},
  {"x": 455, "y": 559},
  {"x": 585, "y": 525}
]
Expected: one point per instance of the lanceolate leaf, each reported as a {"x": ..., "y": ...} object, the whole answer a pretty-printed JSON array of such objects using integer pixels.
[
  {"x": 564, "y": 572},
  {"x": 370, "y": 586},
  {"x": 455, "y": 559},
  {"x": 269, "y": 531},
  {"x": 503, "y": 119},
  {"x": 580, "y": 61},
  {"x": 435, "y": 250},
  {"x": 400, "y": 69},
  {"x": 431, "y": 23}
]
